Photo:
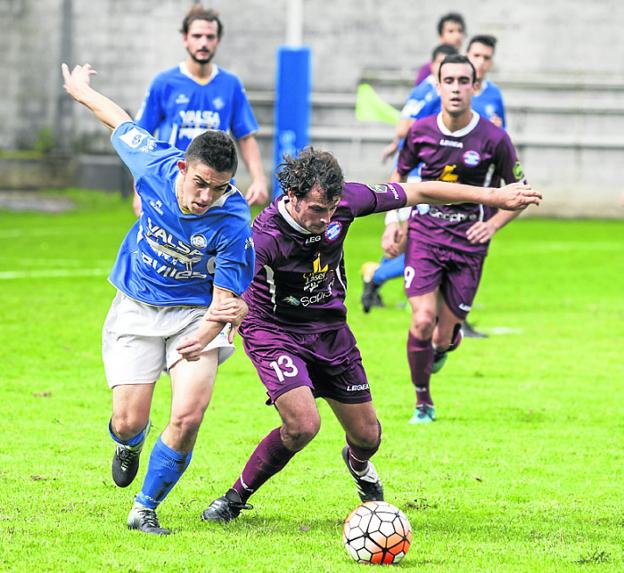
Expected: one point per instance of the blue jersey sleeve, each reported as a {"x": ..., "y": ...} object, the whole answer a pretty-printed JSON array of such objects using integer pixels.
[
  {"x": 151, "y": 114},
  {"x": 235, "y": 260},
  {"x": 142, "y": 153},
  {"x": 243, "y": 120}
]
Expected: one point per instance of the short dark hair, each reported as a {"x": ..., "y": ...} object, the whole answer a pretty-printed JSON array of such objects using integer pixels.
[
  {"x": 299, "y": 174},
  {"x": 215, "y": 149},
  {"x": 198, "y": 12},
  {"x": 451, "y": 17},
  {"x": 446, "y": 49},
  {"x": 457, "y": 59},
  {"x": 485, "y": 39}
]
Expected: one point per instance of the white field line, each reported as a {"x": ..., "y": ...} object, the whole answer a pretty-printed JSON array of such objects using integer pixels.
[{"x": 53, "y": 274}]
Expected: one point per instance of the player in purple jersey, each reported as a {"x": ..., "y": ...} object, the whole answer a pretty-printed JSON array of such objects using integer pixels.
[
  {"x": 451, "y": 30},
  {"x": 446, "y": 245},
  {"x": 170, "y": 315},
  {"x": 296, "y": 332},
  {"x": 198, "y": 95}
]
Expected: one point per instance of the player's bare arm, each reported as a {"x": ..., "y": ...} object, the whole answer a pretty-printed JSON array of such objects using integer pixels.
[
  {"x": 510, "y": 197},
  {"x": 258, "y": 193},
  {"x": 482, "y": 231},
  {"x": 192, "y": 346},
  {"x": 77, "y": 85},
  {"x": 231, "y": 310}
]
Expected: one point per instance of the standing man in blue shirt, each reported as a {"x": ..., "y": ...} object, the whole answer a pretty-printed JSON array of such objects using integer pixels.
[
  {"x": 197, "y": 95},
  {"x": 179, "y": 275}
]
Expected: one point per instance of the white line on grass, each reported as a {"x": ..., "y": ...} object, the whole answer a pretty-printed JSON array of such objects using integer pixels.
[{"x": 53, "y": 274}]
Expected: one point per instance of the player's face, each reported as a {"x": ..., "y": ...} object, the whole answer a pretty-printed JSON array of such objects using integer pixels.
[
  {"x": 313, "y": 212},
  {"x": 482, "y": 58},
  {"x": 200, "y": 186},
  {"x": 452, "y": 33},
  {"x": 456, "y": 88},
  {"x": 201, "y": 41}
]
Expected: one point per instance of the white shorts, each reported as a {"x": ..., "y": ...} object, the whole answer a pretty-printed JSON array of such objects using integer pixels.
[{"x": 139, "y": 341}]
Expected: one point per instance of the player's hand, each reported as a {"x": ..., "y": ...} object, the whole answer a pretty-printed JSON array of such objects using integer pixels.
[
  {"x": 76, "y": 80},
  {"x": 257, "y": 194},
  {"x": 513, "y": 197},
  {"x": 232, "y": 310},
  {"x": 481, "y": 232},
  {"x": 191, "y": 348},
  {"x": 497, "y": 120},
  {"x": 136, "y": 204},
  {"x": 389, "y": 151},
  {"x": 393, "y": 240}
]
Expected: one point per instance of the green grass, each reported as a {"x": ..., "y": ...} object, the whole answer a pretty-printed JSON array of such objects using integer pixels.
[{"x": 522, "y": 472}]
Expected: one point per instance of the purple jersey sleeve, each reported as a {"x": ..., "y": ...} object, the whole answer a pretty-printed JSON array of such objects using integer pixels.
[
  {"x": 409, "y": 155},
  {"x": 366, "y": 199},
  {"x": 508, "y": 167},
  {"x": 423, "y": 72}
]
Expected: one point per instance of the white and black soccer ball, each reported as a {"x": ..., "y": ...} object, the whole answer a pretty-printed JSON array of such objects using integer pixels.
[{"x": 377, "y": 532}]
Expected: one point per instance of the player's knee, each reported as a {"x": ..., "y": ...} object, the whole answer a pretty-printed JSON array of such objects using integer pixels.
[
  {"x": 423, "y": 324},
  {"x": 367, "y": 439},
  {"x": 126, "y": 425},
  {"x": 300, "y": 433}
]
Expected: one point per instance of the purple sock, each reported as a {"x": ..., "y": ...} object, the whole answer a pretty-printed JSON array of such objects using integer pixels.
[
  {"x": 269, "y": 457},
  {"x": 420, "y": 359}
]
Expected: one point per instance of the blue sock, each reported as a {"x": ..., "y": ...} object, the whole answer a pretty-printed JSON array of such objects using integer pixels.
[
  {"x": 165, "y": 468},
  {"x": 389, "y": 269},
  {"x": 132, "y": 441}
]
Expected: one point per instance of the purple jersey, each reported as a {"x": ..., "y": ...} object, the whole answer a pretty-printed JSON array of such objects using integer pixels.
[
  {"x": 299, "y": 281},
  {"x": 480, "y": 154}
]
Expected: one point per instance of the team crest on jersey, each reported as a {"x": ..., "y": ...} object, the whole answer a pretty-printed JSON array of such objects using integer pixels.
[
  {"x": 333, "y": 230},
  {"x": 218, "y": 103},
  {"x": 471, "y": 158},
  {"x": 314, "y": 279},
  {"x": 199, "y": 241}
]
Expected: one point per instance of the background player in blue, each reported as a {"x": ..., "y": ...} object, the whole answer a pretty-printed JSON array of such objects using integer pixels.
[
  {"x": 296, "y": 333},
  {"x": 197, "y": 95},
  {"x": 191, "y": 249}
]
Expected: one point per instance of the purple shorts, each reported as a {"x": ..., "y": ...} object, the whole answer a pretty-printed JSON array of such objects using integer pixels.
[
  {"x": 329, "y": 363},
  {"x": 457, "y": 274}
]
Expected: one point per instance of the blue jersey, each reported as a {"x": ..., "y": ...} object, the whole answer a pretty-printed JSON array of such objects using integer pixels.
[
  {"x": 420, "y": 96},
  {"x": 487, "y": 104},
  {"x": 169, "y": 258},
  {"x": 179, "y": 108}
]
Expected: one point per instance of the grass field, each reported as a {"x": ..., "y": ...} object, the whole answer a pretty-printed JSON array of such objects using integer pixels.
[{"x": 522, "y": 472}]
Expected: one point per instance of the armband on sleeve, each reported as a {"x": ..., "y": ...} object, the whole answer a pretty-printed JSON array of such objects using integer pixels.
[{"x": 397, "y": 215}]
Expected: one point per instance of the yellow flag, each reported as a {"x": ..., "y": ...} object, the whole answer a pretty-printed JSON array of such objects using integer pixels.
[{"x": 370, "y": 107}]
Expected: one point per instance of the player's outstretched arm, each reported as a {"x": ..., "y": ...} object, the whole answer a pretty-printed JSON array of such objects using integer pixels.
[
  {"x": 77, "y": 84},
  {"x": 510, "y": 197},
  {"x": 192, "y": 346}
]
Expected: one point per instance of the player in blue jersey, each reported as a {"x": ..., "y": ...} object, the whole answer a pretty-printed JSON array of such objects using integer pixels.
[
  {"x": 179, "y": 275},
  {"x": 197, "y": 95}
]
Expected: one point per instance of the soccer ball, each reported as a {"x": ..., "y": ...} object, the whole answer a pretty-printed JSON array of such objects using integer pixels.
[{"x": 377, "y": 532}]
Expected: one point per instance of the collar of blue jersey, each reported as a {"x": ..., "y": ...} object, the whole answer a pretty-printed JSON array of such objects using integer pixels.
[
  {"x": 460, "y": 132},
  {"x": 281, "y": 207},
  {"x": 185, "y": 72}
]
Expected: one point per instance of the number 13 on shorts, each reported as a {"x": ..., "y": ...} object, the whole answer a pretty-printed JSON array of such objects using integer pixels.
[{"x": 284, "y": 367}]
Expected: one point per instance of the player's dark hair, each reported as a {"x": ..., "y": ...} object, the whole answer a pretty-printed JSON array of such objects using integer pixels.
[
  {"x": 198, "y": 12},
  {"x": 299, "y": 174},
  {"x": 451, "y": 17},
  {"x": 457, "y": 59},
  {"x": 215, "y": 149},
  {"x": 446, "y": 49},
  {"x": 485, "y": 39}
]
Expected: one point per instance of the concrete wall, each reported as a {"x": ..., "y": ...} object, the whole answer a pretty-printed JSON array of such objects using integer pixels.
[{"x": 128, "y": 41}]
